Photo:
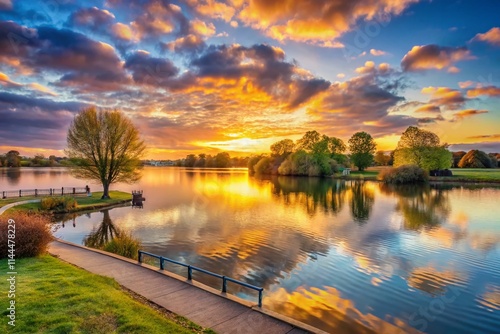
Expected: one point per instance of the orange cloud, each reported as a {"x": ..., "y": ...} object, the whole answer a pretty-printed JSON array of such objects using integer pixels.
[
  {"x": 443, "y": 96},
  {"x": 6, "y": 81},
  {"x": 214, "y": 9},
  {"x": 492, "y": 37},
  {"x": 465, "y": 84},
  {"x": 486, "y": 91},
  {"x": 42, "y": 88},
  {"x": 375, "y": 52},
  {"x": 468, "y": 113},
  {"x": 157, "y": 19},
  {"x": 189, "y": 42},
  {"x": 202, "y": 28},
  {"x": 426, "y": 57},
  {"x": 428, "y": 108},
  {"x": 368, "y": 67},
  {"x": 489, "y": 137},
  {"x": 122, "y": 31},
  {"x": 319, "y": 22}
]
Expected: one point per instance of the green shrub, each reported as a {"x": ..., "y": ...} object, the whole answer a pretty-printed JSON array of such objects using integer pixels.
[
  {"x": 264, "y": 166},
  {"x": 285, "y": 168},
  {"x": 252, "y": 162},
  {"x": 123, "y": 244},
  {"x": 32, "y": 234},
  {"x": 476, "y": 159},
  {"x": 58, "y": 203},
  {"x": 403, "y": 174}
]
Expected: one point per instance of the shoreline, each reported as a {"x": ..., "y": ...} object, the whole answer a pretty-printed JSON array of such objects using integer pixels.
[
  {"x": 33, "y": 203},
  {"x": 432, "y": 179}
]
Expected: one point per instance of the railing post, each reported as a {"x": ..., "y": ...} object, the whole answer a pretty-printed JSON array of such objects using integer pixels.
[
  {"x": 139, "y": 256},
  {"x": 161, "y": 263},
  {"x": 3, "y": 194},
  {"x": 224, "y": 284},
  {"x": 62, "y": 191},
  {"x": 190, "y": 273},
  {"x": 260, "y": 298},
  {"x": 73, "y": 191},
  {"x": 20, "y": 193},
  {"x": 50, "y": 190},
  {"x": 36, "y": 192}
]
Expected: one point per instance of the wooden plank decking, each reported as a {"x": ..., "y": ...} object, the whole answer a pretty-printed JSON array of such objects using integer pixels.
[{"x": 200, "y": 304}]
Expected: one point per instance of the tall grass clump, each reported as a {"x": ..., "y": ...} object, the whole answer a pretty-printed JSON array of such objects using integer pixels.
[
  {"x": 64, "y": 203},
  {"x": 123, "y": 244},
  {"x": 405, "y": 174},
  {"x": 32, "y": 234}
]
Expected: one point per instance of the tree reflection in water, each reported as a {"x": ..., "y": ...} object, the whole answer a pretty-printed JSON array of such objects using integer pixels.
[
  {"x": 420, "y": 205},
  {"x": 13, "y": 175},
  {"x": 311, "y": 193},
  {"x": 104, "y": 233},
  {"x": 362, "y": 200}
]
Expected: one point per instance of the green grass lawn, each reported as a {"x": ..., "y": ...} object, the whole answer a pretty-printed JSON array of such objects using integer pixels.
[
  {"x": 84, "y": 202},
  {"x": 55, "y": 297},
  {"x": 96, "y": 201},
  {"x": 459, "y": 174},
  {"x": 485, "y": 174}
]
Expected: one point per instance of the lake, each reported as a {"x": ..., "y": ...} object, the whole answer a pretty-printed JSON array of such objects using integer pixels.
[{"x": 334, "y": 254}]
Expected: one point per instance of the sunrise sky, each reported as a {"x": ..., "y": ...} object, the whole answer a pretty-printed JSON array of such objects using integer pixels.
[{"x": 238, "y": 75}]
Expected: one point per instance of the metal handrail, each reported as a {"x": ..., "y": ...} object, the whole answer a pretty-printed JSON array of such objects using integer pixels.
[{"x": 190, "y": 268}]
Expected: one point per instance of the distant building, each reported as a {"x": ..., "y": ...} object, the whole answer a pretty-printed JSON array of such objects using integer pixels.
[{"x": 159, "y": 163}]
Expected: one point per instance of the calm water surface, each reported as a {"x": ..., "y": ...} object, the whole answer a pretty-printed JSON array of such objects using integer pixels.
[{"x": 334, "y": 254}]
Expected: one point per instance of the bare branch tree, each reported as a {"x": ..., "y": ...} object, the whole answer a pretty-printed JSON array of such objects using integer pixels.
[{"x": 105, "y": 146}]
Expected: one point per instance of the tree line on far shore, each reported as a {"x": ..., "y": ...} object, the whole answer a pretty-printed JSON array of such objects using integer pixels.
[
  {"x": 14, "y": 159},
  {"x": 314, "y": 155},
  {"x": 220, "y": 160},
  {"x": 320, "y": 155}
]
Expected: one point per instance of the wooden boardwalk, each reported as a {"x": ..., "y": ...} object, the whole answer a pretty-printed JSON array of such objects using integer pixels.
[{"x": 201, "y": 304}]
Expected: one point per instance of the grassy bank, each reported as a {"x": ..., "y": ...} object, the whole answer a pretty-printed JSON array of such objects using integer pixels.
[
  {"x": 83, "y": 202},
  {"x": 484, "y": 175},
  {"x": 55, "y": 297},
  {"x": 478, "y": 175}
]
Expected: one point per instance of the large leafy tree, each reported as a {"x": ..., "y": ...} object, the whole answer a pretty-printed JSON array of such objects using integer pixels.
[
  {"x": 362, "y": 147},
  {"x": 222, "y": 160},
  {"x": 421, "y": 148},
  {"x": 12, "y": 159},
  {"x": 381, "y": 158},
  {"x": 105, "y": 146},
  {"x": 282, "y": 148},
  {"x": 308, "y": 141},
  {"x": 335, "y": 145}
]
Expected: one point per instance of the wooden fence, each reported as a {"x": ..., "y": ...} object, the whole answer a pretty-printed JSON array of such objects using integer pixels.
[{"x": 44, "y": 192}]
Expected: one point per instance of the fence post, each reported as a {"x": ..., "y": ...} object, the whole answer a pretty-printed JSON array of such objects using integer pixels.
[
  {"x": 139, "y": 256},
  {"x": 161, "y": 263},
  {"x": 62, "y": 191},
  {"x": 190, "y": 273},
  {"x": 50, "y": 190},
  {"x": 73, "y": 191},
  {"x": 260, "y": 298},
  {"x": 224, "y": 284},
  {"x": 20, "y": 193},
  {"x": 3, "y": 194},
  {"x": 36, "y": 192}
]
